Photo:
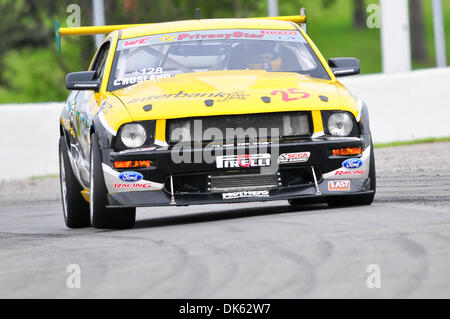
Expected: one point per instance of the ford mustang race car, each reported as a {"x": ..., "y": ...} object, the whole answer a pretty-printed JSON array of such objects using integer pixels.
[{"x": 210, "y": 111}]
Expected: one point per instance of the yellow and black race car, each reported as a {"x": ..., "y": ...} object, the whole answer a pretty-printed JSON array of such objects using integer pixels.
[{"x": 210, "y": 111}]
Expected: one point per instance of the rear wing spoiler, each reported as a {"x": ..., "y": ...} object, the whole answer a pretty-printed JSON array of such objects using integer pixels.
[{"x": 299, "y": 19}]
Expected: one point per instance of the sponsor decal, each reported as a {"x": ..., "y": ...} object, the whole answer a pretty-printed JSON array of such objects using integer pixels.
[
  {"x": 136, "y": 150},
  {"x": 274, "y": 35},
  {"x": 244, "y": 161},
  {"x": 358, "y": 172},
  {"x": 352, "y": 163},
  {"x": 221, "y": 35},
  {"x": 167, "y": 38},
  {"x": 217, "y": 96},
  {"x": 237, "y": 95},
  {"x": 131, "y": 186},
  {"x": 85, "y": 85},
  {"x": 279, "y": 32},
  {"x": 301, "y": 157},
  {"x": 131, "y": 176},
  {"x": 137, "y": 42},
  {"x": 339, "y": 186},
  {"x": 246, "y": 194}
]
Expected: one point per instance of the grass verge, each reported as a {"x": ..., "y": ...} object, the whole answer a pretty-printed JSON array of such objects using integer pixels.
[
  {"x": 418, "y": 141},
  {"x": 34, "y": 178}
]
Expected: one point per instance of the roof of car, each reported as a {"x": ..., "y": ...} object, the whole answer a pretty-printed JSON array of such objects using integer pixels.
[{"x": 206, "y": 24}]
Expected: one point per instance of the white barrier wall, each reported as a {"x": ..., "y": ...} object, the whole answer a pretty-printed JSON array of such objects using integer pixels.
[
  {"x": 405, "y": 106},
  {"x": 29, "y": 135},
  {"x": 401, "y": 107}
]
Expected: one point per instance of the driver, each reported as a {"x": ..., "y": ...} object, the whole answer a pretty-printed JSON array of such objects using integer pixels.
[{"x": 264, "y": 55}]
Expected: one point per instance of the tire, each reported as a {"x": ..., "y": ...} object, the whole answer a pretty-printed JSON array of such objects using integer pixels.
[
  {"x": 102, "y": 217},
  {"x": 75, "y": 208},
  {"x": 358, "y": 200}
]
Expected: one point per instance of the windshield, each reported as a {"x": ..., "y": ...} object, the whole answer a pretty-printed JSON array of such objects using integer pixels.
[{"x": 151, "y": 58}]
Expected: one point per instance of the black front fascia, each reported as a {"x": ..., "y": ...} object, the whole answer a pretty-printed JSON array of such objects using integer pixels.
[{"x": 163, "y": 166}]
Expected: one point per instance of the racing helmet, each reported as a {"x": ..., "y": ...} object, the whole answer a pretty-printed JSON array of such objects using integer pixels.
[{"x": 264, "y": 55}]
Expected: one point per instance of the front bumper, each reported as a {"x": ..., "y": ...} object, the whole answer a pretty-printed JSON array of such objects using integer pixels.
[{"x": 189, "y": 183}]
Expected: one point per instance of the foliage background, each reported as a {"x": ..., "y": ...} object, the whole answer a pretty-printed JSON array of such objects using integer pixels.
[{"x": 32, "y": 71}]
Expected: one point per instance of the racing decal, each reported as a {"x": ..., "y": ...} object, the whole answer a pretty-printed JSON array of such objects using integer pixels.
[
  {"x": 66, "y": 124},
  {"x": 181, "y": 95},
  {"x": 246, "y": 194},
  {"x": 228, "y": 34},
  {"x": 301, "y": 157},
  {"x": 115, "y": 184},
  {"x": 135, "y": 43},
  {"x": 347, "y": 173},
  {"x": 352, "y": 163},
  {"x": 131, "y": 176},
  {"x": 105, "y": 106},
  {"x": 352, "y": 168},
  {"x": 291, "y": 94},
  {"x": 167, "y": 38},
  {"x": 244, "y": 161},
  {"x": 221, "y": 35},
  {"x": 339, "y": 186},
  {"x": 142, "y": 186}
]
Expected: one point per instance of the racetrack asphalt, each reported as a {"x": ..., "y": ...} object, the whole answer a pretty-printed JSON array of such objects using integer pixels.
[{"x": 257, "y": 250}]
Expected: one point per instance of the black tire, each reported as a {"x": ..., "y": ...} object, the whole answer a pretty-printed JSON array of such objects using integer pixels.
[
  {"x": 102, "y": 217},
  {"x": 358, "y": 200},
  {"x": 75, "y": 208}
]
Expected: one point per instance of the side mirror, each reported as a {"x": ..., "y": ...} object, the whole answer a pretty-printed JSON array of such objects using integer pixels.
[
  {"x": 344, "y": 66},
  {"x": 82, "y": 81}
]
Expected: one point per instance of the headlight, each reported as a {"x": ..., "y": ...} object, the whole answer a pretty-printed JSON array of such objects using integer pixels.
[
  {"x": 340, "y": 124},
  {"x": 133, "y": 135}
]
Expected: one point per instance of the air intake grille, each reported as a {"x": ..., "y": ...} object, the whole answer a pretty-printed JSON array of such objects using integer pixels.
[
  {"x": 240, "y": 127},
  {"x": 233, "y": 183}
]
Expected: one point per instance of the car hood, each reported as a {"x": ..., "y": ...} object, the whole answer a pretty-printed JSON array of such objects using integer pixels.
[{"x": 231, "y": 92}]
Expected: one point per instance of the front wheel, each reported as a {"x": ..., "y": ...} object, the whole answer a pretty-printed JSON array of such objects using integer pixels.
[
  {"x": 75, "y": 208},
  {"x": 101, "y": 216}
]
